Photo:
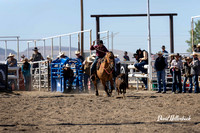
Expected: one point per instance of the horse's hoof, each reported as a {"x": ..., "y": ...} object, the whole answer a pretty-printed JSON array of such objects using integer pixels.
[{"x": 97, "y": 93}]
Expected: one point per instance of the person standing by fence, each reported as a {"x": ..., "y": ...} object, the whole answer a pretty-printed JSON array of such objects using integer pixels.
[
  {"x": 176, "y": 66},
  {"x": 36, "y": 57},
  {"x": 195, "y": 71},
  {"x": 160, "y": 66},
  {"x": 26, "y": 73},
  {"x": 187, "y": 74},
  {"x": 126, "y": 57}
]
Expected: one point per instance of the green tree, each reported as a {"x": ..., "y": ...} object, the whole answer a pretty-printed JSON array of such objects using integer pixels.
[{"x": 196, "y": 35}]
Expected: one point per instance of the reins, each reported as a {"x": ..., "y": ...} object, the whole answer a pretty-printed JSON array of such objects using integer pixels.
[{"x": 107, "y": 68}]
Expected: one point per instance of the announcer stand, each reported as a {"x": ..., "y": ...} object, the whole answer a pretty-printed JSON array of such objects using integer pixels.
[{"x": 124, "y": 69}]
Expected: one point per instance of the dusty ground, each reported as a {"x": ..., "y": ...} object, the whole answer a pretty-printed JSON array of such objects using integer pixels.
[{"x": 56, "y": 112}]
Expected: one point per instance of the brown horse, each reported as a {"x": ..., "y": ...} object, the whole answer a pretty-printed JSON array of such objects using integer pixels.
[{"x": 104, "y": 73}]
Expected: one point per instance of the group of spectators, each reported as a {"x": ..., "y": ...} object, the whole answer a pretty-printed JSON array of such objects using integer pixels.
[
  {"x": 188, "y": 67},
  {"x": 25, "y": 69}
]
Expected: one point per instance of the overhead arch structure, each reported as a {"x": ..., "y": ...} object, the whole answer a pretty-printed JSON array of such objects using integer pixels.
[{"x": 170, "y": 15}]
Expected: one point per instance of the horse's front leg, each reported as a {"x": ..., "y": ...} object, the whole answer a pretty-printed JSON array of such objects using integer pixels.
[
  {"x": 95, "y": 86},
  {"x": 112, "y": 85},
  {"x": 105, "y": 88}
]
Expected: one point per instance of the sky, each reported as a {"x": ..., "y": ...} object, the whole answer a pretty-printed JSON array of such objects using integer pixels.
[{"x": 31, "y": 19}]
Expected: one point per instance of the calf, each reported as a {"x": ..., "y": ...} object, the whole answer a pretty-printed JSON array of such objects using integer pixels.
[{"x": 121, "y": 84}]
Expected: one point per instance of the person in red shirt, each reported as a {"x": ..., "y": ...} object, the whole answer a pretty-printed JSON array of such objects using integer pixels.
[{"x": 100, "y": 53}]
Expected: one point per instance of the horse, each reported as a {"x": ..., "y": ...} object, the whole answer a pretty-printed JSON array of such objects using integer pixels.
[{"x": 105, "y": 73}]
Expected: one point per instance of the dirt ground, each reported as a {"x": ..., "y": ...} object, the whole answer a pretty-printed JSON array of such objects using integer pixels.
[{"x": 57, "y": 112}]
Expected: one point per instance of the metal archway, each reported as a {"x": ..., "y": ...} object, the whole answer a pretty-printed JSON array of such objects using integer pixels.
[{"x": 138, "y": 15}]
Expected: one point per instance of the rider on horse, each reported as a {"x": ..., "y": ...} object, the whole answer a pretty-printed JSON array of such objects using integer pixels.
[{"x": 100, "y": 53}]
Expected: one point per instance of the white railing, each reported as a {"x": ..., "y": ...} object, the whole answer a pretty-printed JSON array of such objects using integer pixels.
[
  {"x": 15, "y": 75},
  {"x": 60, "y": 42}
]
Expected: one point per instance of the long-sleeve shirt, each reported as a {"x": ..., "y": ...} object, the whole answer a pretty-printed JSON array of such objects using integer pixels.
[
  {"x": 178, "y": 64},
  {"x": 27, "y": 71},
  {"x": 11, "y": 63},
  {"x": 100, "y": 51}
]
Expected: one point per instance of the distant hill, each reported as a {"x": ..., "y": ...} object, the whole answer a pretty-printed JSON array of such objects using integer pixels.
[
  {"x": 56, "y": 51},
  {"x": 2, "y": 53}
]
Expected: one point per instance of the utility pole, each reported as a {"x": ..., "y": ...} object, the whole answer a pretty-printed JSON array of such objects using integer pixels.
[
  {"x": 149, "y": 47},
  {"x": 82, "y": 28}
]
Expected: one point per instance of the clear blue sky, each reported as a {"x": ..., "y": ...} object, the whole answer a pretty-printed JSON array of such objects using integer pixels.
[{"x": 43, "y": 18}]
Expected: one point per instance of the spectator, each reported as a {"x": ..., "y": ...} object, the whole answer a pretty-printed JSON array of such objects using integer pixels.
[
  {"x": 163, "y": 49},
  {"x": 165, "y": 53},
  {"x": 117, "y": 66},
  {"x": 126, "y": 57},
  {"x": 170, "y": 61},
  {"x": 87, "y": 63},
  {"x": 160, "y": 65},
  {"x": 198, "y": 48},
  {"x": 195, "y": 70},
  {"x": 26, "y": 73},
  {"x": 49, "y": 59},
  {"x": 11, "y": 61},
  {"x": 36, "y": 56},
  {"x": 176, "y": 66},
  {"x": 194, "y": 48},
  {"x": 22, "y": 58},
  {"x": 140, "y": 54},
  {"x": 135, "y": 58},
  {"x": 100, "y": 53},
  {"x": 68, "y": 77},
  {"x": 140, "y": 66},
  {"x": 187, "y": 74},
  {"x": 79, "y": 57},
  {"x": 142, "y": 61}
]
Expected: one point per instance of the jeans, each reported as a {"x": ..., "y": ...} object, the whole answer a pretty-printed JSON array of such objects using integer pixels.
[
  {"x": 86, "y": 77},
  {"x": 27, "y": 81},
  {"x": 161, "y": 75},
  {"x": 196, "y": 84},
  {"x": 145, "y": 82},
  {"x": 175, "y": 84},
  {"x": 94, "y": 64},
  {"x": 140, "y": 66},
  {"x": 184, "y": 84}
]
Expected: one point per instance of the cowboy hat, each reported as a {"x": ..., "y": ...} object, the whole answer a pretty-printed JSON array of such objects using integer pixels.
[
  {"x": 198, "y": 45},
  {"x": 61, "y": 54},
  {"x": 35, "y": 48},
  {"x": 11, "y": 55},
  {"x": 93, "y": 56},
  {"x": 172, "y": 55},
  {"x": 67, "y": 65},
  {"x": 48, "y": 57},
  {"x": 88, "y": 59},
  {"x": 23, "y": 56},
  {"x": 194, "y": 53},
  {"x": 160, "y": 53},
  {"x": 188, "y": 58},
  {"x": 177, "y": 55},
  {"x": 77, "y": 52},
  {"x": 116, "y": 55}
]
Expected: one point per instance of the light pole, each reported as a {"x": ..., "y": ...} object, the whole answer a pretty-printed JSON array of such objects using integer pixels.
[{"x": 82, "y": 28}]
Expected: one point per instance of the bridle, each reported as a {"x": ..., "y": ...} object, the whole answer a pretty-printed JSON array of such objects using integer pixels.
[{"x": 109, "y": 66}]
